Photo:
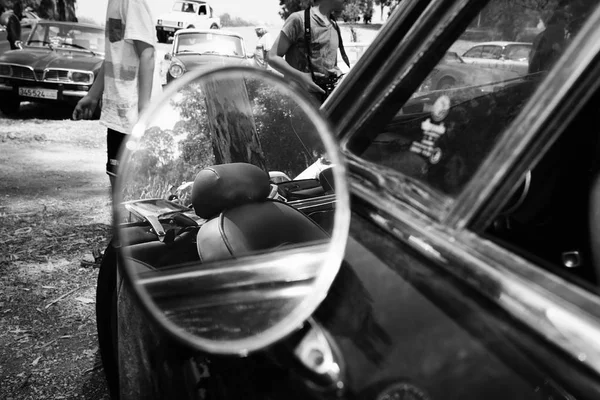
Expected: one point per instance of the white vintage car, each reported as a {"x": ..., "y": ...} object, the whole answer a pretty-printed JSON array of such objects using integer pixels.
[{"x": 186, "y": 14}]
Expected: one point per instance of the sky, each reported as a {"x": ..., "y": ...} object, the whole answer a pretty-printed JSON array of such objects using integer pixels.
[{"x": 263, "y": 11}]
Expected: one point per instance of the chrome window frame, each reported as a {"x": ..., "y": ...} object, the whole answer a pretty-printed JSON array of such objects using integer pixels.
[{"x": 564, "y": 314}]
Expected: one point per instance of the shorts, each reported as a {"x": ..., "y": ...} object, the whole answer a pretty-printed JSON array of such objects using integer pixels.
[{"x": 114, "y": 141}]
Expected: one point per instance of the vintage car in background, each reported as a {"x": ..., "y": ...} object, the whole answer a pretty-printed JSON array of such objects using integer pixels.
[
  {"x": 464, "y": 257},
  {"x": 511, "y": 56},
  {"x": 453, "y": 72},
  {"x": 202, "y": 49},
  {"x": 58, "y": 63},
  {"x": 186, "y": 14}
]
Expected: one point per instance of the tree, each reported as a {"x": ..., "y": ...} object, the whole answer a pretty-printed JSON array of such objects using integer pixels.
[
  {"x": 352, "y": 11},
  {"x": 509, "y": 18},
  {"x": 59, "y": 10}
]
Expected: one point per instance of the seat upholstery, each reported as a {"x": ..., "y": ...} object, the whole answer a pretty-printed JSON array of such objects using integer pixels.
[{"x": 241, "y": 218}]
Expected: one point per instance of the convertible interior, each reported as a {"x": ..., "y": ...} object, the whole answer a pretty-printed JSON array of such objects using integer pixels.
[{"x": 240, "y": 219}]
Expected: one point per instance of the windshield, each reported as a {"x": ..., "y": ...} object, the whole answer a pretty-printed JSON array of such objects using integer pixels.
[
  {"x": 185, "y": 7},
  {"x": 454, "y": 118},
  {"x": 71, "y": 36},
  {"x": 209, "y": 43}
]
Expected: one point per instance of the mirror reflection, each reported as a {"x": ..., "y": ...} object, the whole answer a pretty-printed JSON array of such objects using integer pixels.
[{"x": 228, "y": 205}]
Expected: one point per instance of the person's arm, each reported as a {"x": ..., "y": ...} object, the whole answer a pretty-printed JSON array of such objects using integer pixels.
[
  {"x": 145, "y": 52},
  {"x": 279, "y": 49},
  {"x": 86, "y": 107}
]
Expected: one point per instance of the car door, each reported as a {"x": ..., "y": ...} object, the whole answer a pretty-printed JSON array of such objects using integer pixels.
[
  {"x": 473, "y": 55},
  {"x": 432, "y": 302},
  {"x": 516, "y": 57}
]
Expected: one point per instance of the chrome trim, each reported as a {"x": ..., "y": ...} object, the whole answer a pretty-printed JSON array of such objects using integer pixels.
[
  {"x": 75, "y": 93},
  {"x": 564, "y": 314},
  {"x": 313, "y": 202},
  {"x": 20, "y": 66},
  {"x": 523, "y": 130},
  {"x": 6, "y": 87},
  {"x": 69, "y": 72},
  {"x": 315, "y": 353}
]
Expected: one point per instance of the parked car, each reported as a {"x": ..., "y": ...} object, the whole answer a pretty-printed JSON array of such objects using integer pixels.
[
  {"x": 186, "y": 14},
  {"x": 512, "y": 56},
  {"x": 201, "y": 49},
  {"x": 452, "y": 72},
  {"x": 58, "y": 63},
  {"x": 469, "y": 257}
]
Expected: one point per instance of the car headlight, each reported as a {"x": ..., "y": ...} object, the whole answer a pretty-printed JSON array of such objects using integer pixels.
[
  {"x": 180, "y": 24},
  {"x": 159, "y": 22},
  {"x": 176, "y": 70},
  {"x": 82, "y": 77},
  {"x": 5, "y": 70}
]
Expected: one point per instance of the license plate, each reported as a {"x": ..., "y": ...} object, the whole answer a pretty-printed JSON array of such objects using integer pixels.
[
  {"x": 38, "y": 93},
  {"x": 169, "y": 29}
]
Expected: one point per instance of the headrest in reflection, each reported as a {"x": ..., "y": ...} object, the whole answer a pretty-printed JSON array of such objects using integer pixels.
[{"x": 226, "y": 186}]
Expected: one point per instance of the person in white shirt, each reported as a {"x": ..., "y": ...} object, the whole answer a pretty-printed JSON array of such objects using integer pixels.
[{"x": 124, "y": 83}]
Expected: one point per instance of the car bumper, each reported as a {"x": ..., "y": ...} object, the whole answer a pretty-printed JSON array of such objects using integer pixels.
[
  {"x": 38, "y": 91},
  {"x": 170, "y": 30}
]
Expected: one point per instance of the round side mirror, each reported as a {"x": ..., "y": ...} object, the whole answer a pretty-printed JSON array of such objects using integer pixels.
[{"x": 222, "y": 255}]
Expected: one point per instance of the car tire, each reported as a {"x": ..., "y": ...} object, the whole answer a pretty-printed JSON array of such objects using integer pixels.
[
  {"x": 191, "y": 27},
  {"x": 106, "y": 319},
  {"x": 214, "y": 26},
  {"x": 446, "y": 83},
  {"x": 10, "y": 105}
]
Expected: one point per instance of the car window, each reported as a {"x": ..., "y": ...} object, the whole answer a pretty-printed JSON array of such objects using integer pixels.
[
  {"x": 185, "y": 6},
  {"x": 442, "y": 134},
  {"x": 491, "y": 52},
  {"x": 475, "y": 52},
  {"x": 68, "y": 37},
  {"x": 517, "y": 52}
]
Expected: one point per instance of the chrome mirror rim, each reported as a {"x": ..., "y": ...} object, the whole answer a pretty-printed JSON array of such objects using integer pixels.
[{"x": 335, "y": 249}]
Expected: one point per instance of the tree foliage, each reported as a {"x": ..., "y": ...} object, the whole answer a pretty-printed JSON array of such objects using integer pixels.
[
  {"x": 228, "y": 21},
  {"x": 510, "y": 19},
  {"x": 58, "y": 10},
  {"x": 353, "y": 9}
]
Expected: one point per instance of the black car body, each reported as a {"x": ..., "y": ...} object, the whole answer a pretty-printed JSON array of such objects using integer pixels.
[
  {"x": 58, "y": 63},
  {"x": 471, "y": 269}
]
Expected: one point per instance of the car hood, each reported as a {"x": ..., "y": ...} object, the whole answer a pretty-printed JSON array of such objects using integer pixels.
[
  {"x": 194, "y": 61},
  {"x": 40, "y": 59}
]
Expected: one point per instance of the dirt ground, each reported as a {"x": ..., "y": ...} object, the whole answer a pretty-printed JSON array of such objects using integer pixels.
[{"x": 54, "y": 217}]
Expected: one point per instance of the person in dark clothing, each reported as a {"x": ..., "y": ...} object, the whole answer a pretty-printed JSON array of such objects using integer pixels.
[
  {"x": 562, "y": 25},
  {"x": 13, "y": 27}
]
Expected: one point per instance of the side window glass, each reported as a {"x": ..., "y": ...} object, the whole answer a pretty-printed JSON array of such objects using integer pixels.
[
  {"x": 443, "y": 133},
  {"x": 548, "y": 220},
  {"x": 202, "y": 10},
  {"x": 475, "y": 52},
  {"x": 518, "y": 53},
  {"x": 491, "y": 52}
]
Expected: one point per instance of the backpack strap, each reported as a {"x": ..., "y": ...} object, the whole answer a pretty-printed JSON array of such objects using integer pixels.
[
  {"x": 341, "y": 45},
  {"x": 307, "y": 41}
]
